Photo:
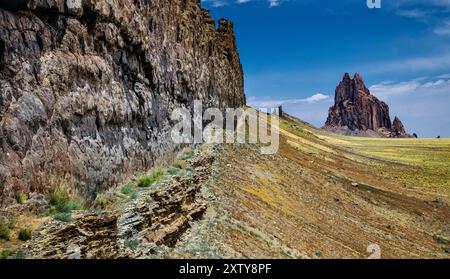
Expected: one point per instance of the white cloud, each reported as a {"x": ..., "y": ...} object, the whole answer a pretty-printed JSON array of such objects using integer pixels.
[
  {"x": 218, "y": 3},
  {"x": 443, "y": 29},
  {"x": 414, "y": 13},
  {"x": 409, "y": 3},
  {"x": 215, "y": 3},
  {"x": 222, "y": 3},
  {"x": 417, "y": 64},
  {"x": 385, "y": 89},
  {"x": 312, "y": 109},
  {"x": 319, "y": 97},
  {"x": 274, "y": 3},
  {"x": 421, "y": 104},
  {"x": 271, "y": 103},
  {"x": 444, "y": 76}
]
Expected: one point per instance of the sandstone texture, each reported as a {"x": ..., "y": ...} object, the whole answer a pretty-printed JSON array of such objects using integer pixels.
[
  {"x": 87, "y": 87},
  {"x": 356, "y": 112}
]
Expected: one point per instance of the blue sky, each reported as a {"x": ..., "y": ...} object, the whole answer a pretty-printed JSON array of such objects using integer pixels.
[{"x": 295, "y": 53}]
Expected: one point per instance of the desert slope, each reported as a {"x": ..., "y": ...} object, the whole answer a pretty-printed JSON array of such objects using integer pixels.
[
  {"x": 320, "y": 196},
  {"x": 304, "y": 201}
]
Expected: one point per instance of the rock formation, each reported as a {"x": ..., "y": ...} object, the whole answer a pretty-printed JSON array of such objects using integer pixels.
[
  {"x": 87, "y": 87},
  {"x": 357, "y": 112},
  {"x": 159, "y": 216},
  {"x": 398, "y": 128}
]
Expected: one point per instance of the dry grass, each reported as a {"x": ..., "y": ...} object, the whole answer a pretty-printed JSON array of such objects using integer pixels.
[{"x": 303, "y": 196}]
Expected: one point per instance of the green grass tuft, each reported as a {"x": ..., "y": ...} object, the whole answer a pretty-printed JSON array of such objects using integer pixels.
[
  {"x": 5, "y": 254},
  {"x": 127, "y": 189},
  {"x": 148, "y": 180},
  {"x": 187, "y": 155},
  {"x": 63, "y": 217},
  {"x": 62, "y": 206},
  {"x": 25, "y": 234},
  {"x": 173, "y": 171},
  {"x": 133, "y": 196},
  {"x": 5, "y": 233},
  {"x": 21, "y": 198},
  {"x": 132, "y": 244}
]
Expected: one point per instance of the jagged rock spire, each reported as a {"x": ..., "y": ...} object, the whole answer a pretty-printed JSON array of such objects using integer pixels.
[{"x": 355, "y": 109}]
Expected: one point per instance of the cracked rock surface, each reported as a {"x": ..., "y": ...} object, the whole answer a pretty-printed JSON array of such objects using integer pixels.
[
  {"x": 158, "y": 217},
  {"x": 87, "y": 87}
]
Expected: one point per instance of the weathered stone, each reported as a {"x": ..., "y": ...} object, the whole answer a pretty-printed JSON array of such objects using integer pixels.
[
  {"x": 356, "y": 112},
  {"x": 87, "y": 87},
  {"x": 398, "y": 128},
  {"x": 157, "y": 217}
]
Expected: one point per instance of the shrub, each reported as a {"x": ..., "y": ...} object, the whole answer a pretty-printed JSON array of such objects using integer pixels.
[
  {"x": 145, "y": 181},
  {"x": 62, "y": 205},
  {"x": 173, "y": 171},
  {"x": 134, "y": 196},
  {"x": 4, "y": 231},
  {"x": 21, "y": 198},
  {"x": 127, "y": 189},
  {"x": 187, "y": 155},
  {"x": 59, "y": 197},
  {"x": 19, "y": 255},
  {"x": 179, "y": 164},
  {"x": 132, "y": 244},
  {"x": 5, "y": 254},
  {"x": 101, "y": 201},
  {"x": 63, "y": 217},
  {"x": 148, "y": 180},
  {"x": 25, "y": 234}
]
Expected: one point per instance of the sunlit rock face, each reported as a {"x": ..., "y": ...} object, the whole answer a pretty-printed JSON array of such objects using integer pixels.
[
  {"x": 87, "y": 87},
  {"x": 357, "y": 112}
]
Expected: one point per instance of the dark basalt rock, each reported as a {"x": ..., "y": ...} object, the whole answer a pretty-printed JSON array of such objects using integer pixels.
[
  {"x": 357, "y": 112},
  {"x": 87, "y": 87}
]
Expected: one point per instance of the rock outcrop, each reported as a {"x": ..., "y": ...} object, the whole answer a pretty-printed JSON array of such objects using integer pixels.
[
  {"x": 159, "y": 216},
  {"x": 357, "y": 112},
  {"x": 398, "y": 128},
  {"x": 87, "y": 87}
]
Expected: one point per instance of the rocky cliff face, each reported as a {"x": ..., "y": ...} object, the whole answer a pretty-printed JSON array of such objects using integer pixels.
[
  {"x": 357, "y": 112},
  {"x": 87, "y": 87}
]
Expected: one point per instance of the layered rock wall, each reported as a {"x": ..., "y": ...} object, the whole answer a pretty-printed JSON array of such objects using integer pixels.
[{"x": 87, "y": 87}]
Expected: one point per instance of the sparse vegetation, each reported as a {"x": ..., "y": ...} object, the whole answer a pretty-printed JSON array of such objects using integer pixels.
[
  {"x": 25, "y": 234},
  {"x": 18, "y": 255},
  {"x": 187, "y": 155},
  {"x": 101, "y": 201},
  {"x": 63, "y": 217},
  {"x": 180, "y": 164},
  {"x": 59, "y": 196},
  {"x": 21, "y": 198},
  {"x": 62, "y": 205},
  {"x": 127, "y": 189},
  {"x": 148, "y": 180},
  {"x": 132, "y": 244},
  {"x": 5, "y": 254},
  {"x": 173, "y": 171},
  {"x": 5, "y": 232},
  {"x": 133, "y": 196},
  {"x": 11, "y": 254}
]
